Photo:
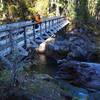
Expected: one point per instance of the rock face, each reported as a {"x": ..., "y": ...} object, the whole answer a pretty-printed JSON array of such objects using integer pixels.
[
  {"x": 42, "y": 46},
  {"x": 71, "y": 46},
  {"x": 80, "y": 73}
]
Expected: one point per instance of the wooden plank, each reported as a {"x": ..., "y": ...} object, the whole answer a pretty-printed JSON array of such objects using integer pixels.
[
  {"x": 2, "y": 34},
  {"x": 4, "y": 42},
  {"x": 4, "y": 46},
  {"x": 21, "y": 43},
  {"x": 21, "y": 50},
  {"x": 5, "y": 52},
  {"x": 7, "y": 62}
]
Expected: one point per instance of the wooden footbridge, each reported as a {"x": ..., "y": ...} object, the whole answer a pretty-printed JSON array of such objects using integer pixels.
[{"x": 22, "y": 35}]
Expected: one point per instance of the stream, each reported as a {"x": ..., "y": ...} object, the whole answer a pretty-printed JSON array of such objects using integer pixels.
[{"x": 45, "y": 65}]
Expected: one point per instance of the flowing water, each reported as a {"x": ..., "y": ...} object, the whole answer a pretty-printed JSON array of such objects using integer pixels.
[{"x": 45, "y": 65}]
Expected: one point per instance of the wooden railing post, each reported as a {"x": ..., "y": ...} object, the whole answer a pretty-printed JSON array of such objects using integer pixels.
[
  {"x": 34, "y": 31},
  {"x": 52, "y": 22},
  {"x": 11, "y": 41},
  {"x": 25, "y": 38},
  {"x": 62, "y": 19},
  {"x": 57, "y": 21},
  {"x": 40, "y": 29},
  {"x": 45, "y": 26},
  {"x": 49, "y": 24}
]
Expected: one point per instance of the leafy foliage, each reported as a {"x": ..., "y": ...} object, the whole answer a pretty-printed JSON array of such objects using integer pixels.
[
  {"x": 76, "y": 10},
  {"x": 42, "y": 7},
  {"x": 15, "y": 10}
]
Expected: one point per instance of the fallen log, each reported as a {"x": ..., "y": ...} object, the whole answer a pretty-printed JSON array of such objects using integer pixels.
[{"x": 80, "y": 73}]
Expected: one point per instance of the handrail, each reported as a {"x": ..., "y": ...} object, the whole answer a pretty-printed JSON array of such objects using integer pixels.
[{"x": 10, "y": 27}]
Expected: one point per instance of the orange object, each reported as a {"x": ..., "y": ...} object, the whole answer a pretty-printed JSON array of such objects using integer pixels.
[{"x": 37, "y": 18}]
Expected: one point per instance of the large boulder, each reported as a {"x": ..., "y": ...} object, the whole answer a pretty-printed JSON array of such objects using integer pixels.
[{"x": 71, "y": 46}]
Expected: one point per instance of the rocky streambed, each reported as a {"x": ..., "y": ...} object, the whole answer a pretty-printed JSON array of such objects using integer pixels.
[
  {"x": 72, "y": 46},
  {"x": 78, "y": 60}
]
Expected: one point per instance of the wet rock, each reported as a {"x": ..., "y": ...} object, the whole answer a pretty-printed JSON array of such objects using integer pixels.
[
  {"x": 41, "y": 87},
  {"x": 43, "y": 77},
  {"x": 77, "y": 92},
  {"x": 80, "y": 73},
  {"x": 72, "y": 46},
  {"x": 1, "y": 66}
]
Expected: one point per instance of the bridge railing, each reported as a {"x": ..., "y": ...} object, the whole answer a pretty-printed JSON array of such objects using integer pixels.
[{"x": 13, "y": 35}]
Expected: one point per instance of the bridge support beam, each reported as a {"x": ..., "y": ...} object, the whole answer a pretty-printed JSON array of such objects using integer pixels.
[{"x": 7, "y": 62}]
